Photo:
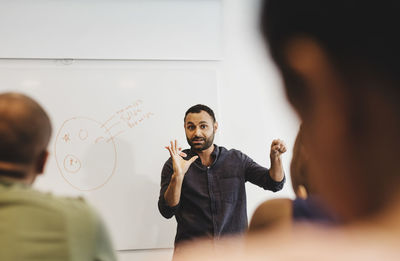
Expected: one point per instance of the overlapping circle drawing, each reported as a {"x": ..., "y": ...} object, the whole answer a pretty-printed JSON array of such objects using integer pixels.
[{"x": 85, "y": 153}]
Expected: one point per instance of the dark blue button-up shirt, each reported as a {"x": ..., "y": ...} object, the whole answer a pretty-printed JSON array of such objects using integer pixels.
[{"x": 213, "y": 199}]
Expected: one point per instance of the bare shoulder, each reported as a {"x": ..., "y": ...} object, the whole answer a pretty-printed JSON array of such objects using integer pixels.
[{"x": 271, "y": 214}]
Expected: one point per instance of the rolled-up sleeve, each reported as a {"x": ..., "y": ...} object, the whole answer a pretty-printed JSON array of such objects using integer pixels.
[
  {"x": 166, "y": 173},
  {"x": 260, "y": 176}
]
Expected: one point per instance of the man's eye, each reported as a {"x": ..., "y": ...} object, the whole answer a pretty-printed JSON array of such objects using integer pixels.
[
  {"x": 203, "y": 126},
  {"x": 190, "y": 127}
]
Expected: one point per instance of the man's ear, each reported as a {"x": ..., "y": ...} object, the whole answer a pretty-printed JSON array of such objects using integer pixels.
[
  {"x": 308, "y": 60},
  {"x": 41, "y": 162},
  {"x": 215, "y": 127},
  {"x": 304, "y": 55}
]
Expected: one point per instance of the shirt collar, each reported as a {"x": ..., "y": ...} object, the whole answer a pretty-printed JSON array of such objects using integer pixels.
[
  {"x": 5, "y": 182},
  {"x": 214, "y": 154}
]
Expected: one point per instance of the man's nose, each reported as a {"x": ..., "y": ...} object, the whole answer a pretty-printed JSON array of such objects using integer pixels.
[{"x": 197, "y": 132}]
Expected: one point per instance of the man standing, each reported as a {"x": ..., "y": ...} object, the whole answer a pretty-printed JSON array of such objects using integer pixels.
[
  {"x": 35, "y": 225},
  {"x": 204, "y": 186}
]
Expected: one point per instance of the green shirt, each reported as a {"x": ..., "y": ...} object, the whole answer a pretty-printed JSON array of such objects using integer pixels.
[{"x": 41, "y": 227}]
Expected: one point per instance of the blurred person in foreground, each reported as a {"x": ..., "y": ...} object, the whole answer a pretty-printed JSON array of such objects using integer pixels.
[
  {"x": 339, "y": 61},
  {"x": 36, "y": 225}
]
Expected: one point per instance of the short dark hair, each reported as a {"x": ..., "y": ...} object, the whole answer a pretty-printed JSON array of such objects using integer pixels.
[
  {"x": 198, "y": 108},
  {"x": 360, "y": 38}
]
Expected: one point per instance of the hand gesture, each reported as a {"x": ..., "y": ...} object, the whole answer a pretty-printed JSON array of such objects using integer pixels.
[
  {"x": 180, "y": 165},
  {"x": 278, "y": 147}
]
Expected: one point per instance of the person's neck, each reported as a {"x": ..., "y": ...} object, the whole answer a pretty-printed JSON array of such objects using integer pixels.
[
  {"x": 384, "y": 221},
  {"x": 389, "y": 217},
  {"x": 205, "y": 156},
  {"x": 19, "y": 173}
]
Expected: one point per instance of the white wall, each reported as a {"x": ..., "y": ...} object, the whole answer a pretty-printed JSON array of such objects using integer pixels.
[
  {"x": 104, "y": 29},
  {"x": 252, "y": 106}
]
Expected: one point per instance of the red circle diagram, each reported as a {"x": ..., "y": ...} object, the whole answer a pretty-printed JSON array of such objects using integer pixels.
[
  {"x": 85, "y": 153},
  {"x": 72, "y": 164}
]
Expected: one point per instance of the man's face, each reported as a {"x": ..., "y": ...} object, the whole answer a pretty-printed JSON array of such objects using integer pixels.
[{"x": 200, "y": 130}]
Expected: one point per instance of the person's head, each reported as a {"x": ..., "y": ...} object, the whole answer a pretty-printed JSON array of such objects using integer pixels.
[
  {"x": 25, "y": 132},
  {"x": 200, "y": 127},
  {"x": 339, "y": 61}
]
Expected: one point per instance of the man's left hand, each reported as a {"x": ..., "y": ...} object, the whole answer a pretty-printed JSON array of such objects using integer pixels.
[{"x": 278, "y": 147}]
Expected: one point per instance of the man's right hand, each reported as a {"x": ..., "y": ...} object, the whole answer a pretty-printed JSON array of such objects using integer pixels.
[{"x": 180, "y": 165}]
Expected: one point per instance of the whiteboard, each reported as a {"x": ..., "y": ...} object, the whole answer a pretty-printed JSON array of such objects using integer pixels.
[
  {"x": 111, "y": 121},
  {"x": 111, "y": 29}
]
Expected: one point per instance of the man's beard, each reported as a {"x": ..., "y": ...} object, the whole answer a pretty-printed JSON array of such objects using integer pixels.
[{"x": 200, "y": 147}]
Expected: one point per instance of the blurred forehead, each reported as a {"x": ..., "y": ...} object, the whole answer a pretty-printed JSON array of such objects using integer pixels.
[{"x": 196, "y": 118}]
